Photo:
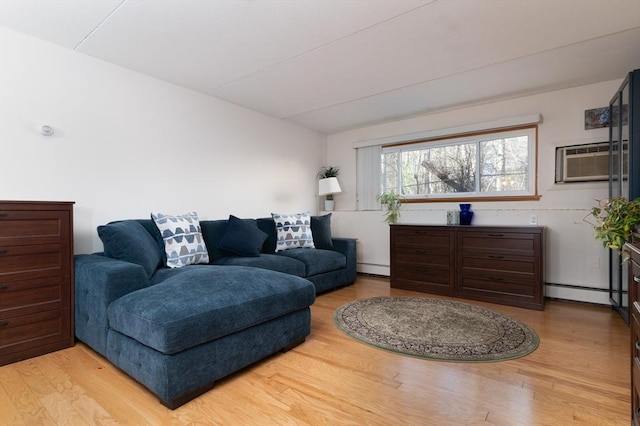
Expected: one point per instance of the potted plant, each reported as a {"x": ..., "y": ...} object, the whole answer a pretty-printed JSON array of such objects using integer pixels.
[
  {"x": 614, "y": 221},
  {"x": 393, "y": 202},
  {"x": 328, "y": 185}
]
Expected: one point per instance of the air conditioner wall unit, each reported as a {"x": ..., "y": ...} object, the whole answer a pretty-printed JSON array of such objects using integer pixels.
[{"x": 585, "y": 163}]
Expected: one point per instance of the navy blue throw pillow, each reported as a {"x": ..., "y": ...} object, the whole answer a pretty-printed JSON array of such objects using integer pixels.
[
  {"x": 321, "y": 231},
  {"x": 242, "y": 238},
  {"x": 129, "y": 241}
]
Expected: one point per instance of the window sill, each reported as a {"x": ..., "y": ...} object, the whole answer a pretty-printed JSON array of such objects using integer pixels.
[{"x": 472, "y": 199}]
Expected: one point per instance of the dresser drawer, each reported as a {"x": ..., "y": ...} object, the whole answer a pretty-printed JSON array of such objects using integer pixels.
[
  {"x": 437, "y": 274},
  {"x": 423, "y": 255},
  {"x": 478, "y": 284},
  {"x": 519, "y": 264},
  {"x": 19, "y": 227},
  {"x": 19, "y": 263},
  {"x": 423, "y": 238},
  {"x": 635, "y": 391},
  {"x": 26, "y": 297},
  {"x": 506, "y": 243},
  {"x": 635, "y": 330},
  {"x": 25, "y": 332},
  {"x": 634, "y": 276}
]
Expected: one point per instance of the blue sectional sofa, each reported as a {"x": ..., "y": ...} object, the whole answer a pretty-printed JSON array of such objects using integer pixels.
[{"x": 178, "y": 330}]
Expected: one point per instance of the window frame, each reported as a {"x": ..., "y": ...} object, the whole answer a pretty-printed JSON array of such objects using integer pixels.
[{"x": 530, "y": 130}]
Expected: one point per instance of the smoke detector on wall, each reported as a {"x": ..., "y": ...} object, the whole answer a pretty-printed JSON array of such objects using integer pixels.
[{"x": 46, "y": 130}]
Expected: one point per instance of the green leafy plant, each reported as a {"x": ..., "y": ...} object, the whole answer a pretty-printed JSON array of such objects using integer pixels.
[
  {"x": 614, "y": 221},
  {"x": 393, "y": 202},
  {"x": 328, "y": 171}
]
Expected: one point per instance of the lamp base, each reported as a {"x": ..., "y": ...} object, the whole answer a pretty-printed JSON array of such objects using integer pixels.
[{"x": 328, "y": 205}]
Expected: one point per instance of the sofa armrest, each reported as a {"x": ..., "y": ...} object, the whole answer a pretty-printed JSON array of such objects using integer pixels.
[
  {"x": 100, "y": 280},
  {"x": 347, "y": 246}
]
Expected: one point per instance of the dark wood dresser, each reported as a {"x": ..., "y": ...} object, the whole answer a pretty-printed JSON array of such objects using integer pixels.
[
  {"x": 493, "y": 264},
  {"x": 36, "y": 278},
  {"x": 634, "y": 321}
]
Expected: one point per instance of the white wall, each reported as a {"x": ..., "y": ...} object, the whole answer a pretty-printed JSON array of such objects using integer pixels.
[
  {"x": 127, "y": 144},
  {"x": 573, "y": 256}
]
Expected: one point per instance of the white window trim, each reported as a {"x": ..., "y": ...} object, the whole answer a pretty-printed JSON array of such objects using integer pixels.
[{"x": 504, "y": 123}]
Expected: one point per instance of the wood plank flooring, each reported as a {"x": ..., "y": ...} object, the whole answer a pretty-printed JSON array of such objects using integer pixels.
[{"x": 578, "y": 375}]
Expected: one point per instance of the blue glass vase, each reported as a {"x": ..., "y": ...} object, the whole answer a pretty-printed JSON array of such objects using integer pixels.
[{"x": 466, "y": 215}]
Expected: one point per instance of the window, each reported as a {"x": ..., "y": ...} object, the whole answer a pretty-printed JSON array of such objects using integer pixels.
[{"x": 483, "y": 165}]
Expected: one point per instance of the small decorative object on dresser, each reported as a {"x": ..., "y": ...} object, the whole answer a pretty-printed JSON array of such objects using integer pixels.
[
  {"x": 466, "y": 215},
  {"x": 36, "y": 278}
]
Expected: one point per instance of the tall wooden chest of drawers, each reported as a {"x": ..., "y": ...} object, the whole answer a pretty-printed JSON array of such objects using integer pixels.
[
  {"x": 36, "y": 278},
  {"x": 493, "y": 264},
  {"x": 634, "y": 321}
]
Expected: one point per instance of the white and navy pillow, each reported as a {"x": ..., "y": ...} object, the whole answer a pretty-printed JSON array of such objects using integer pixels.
[
  {"x": 293, "y": 231},
  {"x": 182, "y": 237}
]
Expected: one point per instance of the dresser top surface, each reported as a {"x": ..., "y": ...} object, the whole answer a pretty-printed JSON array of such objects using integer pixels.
[{"x": 471, "y": 227}]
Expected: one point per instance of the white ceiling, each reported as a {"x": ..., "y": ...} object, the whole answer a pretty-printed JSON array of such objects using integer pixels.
[{"x": 332, "y": 65}]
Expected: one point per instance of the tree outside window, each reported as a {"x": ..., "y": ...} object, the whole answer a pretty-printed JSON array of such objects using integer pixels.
[{"x": 489, "y": 164}]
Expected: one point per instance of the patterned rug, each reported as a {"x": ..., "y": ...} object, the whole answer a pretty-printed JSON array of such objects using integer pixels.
[{"x": 436, "y": 329}]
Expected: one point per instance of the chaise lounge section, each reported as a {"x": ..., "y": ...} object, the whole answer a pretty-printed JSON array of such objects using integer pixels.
[{"x": 178, "y": 330}]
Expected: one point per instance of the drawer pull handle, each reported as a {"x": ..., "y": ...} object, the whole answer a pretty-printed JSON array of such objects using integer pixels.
[
  {"x": 4, "y": 287},
  {"x": 495, "y": 256},
  {"x": 496, "y": 235},
  {"x": 4, "y": 324},
  {"x": 421, "y": 252},
  {"x": 638, "y": 345},
  {"x": 636, "y": 278},
  {"x": 496, "y": 278},
  {"x": 4, "y": 251},
  {"x": 4, "y": 214}
]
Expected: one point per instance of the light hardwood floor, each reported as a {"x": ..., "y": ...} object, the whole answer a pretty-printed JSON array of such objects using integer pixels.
[{"x": 578, "y": 375}]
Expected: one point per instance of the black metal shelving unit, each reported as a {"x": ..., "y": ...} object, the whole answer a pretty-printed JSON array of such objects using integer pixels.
[{"x": 624, "y": 174}]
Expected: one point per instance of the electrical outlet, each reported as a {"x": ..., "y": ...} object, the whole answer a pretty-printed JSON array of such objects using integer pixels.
[{"x": 533, "y": 219}]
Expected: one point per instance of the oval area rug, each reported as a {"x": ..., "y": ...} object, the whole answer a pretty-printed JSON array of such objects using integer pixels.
[{"x": 436, "y": 329}]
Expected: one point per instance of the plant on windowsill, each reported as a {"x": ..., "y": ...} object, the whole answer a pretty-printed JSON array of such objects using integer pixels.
[
  {"x": 614, "y": 221},
  {"x": 393, "y": 202}
]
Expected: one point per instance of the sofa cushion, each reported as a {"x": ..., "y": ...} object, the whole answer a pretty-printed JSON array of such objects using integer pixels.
[
  {"x": 212, "y": 233},
  {"x": 129, "y": 241},
  {"x": 317, "y": 261},
  {"x": 267, "y": 261},
  {"x": 321, "y": 230},
  {"x": 202, "y": 303},
  {"x": 182, "y": 237},
  {"x": 294, "y": 231},
  {"x": 242, "y": 238},
  {"x": 268, "y": 226}
]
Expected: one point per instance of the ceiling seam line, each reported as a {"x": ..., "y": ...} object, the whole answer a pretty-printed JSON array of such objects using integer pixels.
[
  {"x": 306, "y": 52},
  {"x": 454, "y": 74},
  {"x": 99, "y": 25}
]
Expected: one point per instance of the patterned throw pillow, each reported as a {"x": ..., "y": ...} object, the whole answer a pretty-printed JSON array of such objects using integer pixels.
[
  {"x": 293, "y": 231},
  {"x": 182, "y": 237}
]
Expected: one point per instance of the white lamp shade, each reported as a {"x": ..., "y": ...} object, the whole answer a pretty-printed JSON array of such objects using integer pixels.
[{"x": 328, "y": 186}]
